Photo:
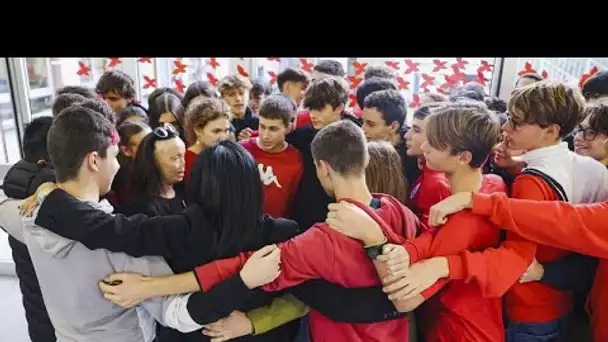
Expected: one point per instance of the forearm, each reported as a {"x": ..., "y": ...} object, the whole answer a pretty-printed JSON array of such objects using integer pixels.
[
  {"x": 170, "y": 285},
  {"x": 282, "y": 310}
]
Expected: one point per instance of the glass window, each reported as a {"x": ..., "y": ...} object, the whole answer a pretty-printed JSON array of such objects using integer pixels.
[
  {"x": 9, "y": 138},
  {"x": 570, "y": 70},
  {"x": 148, "y": 80}
]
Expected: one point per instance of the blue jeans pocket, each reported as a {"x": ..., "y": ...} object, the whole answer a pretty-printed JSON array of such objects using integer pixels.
[{"x": 533, "y": 332}]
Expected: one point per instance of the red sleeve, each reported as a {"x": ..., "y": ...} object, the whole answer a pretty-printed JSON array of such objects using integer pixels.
[
  {"x": 419, "y": 248},
  {"x": 431, "y": 291},
  {"x": 307, "y": 256},
  {"x": 580, "y": 228},
  {"x": 255, "y": 134},
  {"x": 432, "y": 191},
  {"x": 213, "y": 273}
]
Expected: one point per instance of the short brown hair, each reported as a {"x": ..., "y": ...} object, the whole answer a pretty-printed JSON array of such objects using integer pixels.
[
  {"x": 464, "y": 129},
  {"x": 278, "y": 106},
  {"x": 343, "y": 146},
  {"x": 233, "y": 82},
  {"x": 433, "y": 98},
  {"x": 423, "y": 111},
  {"x": 598, "y": 117},
  {"x": 330, "y": 90},
  {"x": 384, "y": 173},
  {"x": 202, "y": 111},
  {"x": 547, "y": 103}
]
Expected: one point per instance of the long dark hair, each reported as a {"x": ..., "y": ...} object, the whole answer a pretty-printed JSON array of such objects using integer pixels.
[
  {"x": 147, "y": 179},
  {"x": 225, "y": 183}
]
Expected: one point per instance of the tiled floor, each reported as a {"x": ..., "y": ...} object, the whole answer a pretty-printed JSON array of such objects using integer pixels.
[{"x": 13, "y": 327}]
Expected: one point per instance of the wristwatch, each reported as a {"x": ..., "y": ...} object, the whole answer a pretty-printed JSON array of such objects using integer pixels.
[{"x": 374, "y": 251}]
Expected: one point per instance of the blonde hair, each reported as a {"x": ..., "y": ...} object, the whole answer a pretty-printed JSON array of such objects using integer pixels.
[
  {"x": 202, "y": 111},
  {"x": 233, "y": 82}
]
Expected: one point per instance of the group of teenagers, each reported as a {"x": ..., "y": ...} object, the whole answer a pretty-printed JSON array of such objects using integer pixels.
[{"x": 232, "y": 213}]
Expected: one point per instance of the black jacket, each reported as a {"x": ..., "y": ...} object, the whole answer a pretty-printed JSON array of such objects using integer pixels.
[
  {"x": 185, "y": 239},
  {"x": 249, "y": 120},
  {"x": 21, "y": 181}
]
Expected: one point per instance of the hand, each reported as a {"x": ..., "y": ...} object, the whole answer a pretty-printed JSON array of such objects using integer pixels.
[
  {"x": 262, "y": 267},
  {"x": 352, "y": 221},
  {"x": 396, "y": 258},
  {"x": 419, "y": 277},
  {"x": 453, "y": 204},
  {"x": 29, "y": 204},
  {"x": 227, "y": 328},
  {"x": 130, "y": 291},
  {"x": 245, "y": 133},
  {"x": 534, "y": 272}
]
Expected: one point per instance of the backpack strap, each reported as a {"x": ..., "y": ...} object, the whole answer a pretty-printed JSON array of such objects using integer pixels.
[{"x": 557, "y": 188}]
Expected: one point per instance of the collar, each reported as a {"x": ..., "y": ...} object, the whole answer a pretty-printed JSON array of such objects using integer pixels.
[{"x": 535, "y": 157}]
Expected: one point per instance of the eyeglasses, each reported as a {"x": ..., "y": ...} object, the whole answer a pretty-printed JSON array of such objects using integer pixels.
[
  {"x": 588, "y": 133},
  {"x": 166, "y": 131}
]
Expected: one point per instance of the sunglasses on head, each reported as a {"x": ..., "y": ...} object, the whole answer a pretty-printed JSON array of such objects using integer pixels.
[{"x": 165, "y": 131}]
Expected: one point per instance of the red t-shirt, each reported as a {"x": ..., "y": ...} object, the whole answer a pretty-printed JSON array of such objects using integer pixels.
[
  {"x": 323, "y": 253},
  {"x": 303, "y": 119},
  {"x": 460, "y": 308},
  {"x": 280, "y": 173},
  {"x": 430, "y": 188},
  {"x": 190, "y": 159}
]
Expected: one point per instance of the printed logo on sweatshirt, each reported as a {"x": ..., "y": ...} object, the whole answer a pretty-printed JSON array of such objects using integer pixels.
[
  {"x": 414, "y": 191},
  {"x": 267, "y": 175}
]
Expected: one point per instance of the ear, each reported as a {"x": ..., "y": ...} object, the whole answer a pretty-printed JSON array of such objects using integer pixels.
[
  {"x": 394, "y": 127},
  {"x": 92, "y": 161},
  {"x": 465, "y": 158},
  {"x": 553, "y": 131},
  {"x": 126, "y": 151},
  {"x": 290, "y": 126},
  {"x": 340, "y": 109}
]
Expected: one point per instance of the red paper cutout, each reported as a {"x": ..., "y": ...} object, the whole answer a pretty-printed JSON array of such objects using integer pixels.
[
  {"x": 401, "y": 83},
  {"x": 212, "y": 79},
  {"x": 457, "y": 75},
  {"x": 415, "y": 101},
  {"x": 242, "y": 71},
  {"x": 305, "y": 65},
  {"x": 443, "y": 91},
  {"x": 588, "y": 75},
  {"x": 353, "y": 100},
  {"x": 180, "y": 68},
  {"x": 425, "y": 90},
  {"x": 213, "y": 62},
  {"x": 527, "y": 69},
  {"x": 273, "y": 77},
  {"x": 460, "y": 63},
  {"x": 392, "y": 64},
  {"x": 274, "y": 59},
  {"x": 481, "y": 78},
  {"x": 439, "y": 65},
  {"x": 179, "y": 85},
  {"x": 150, "y": 82},
  {"x": 359, "y": 67},
  {"x": 544, "y": 74},
  {"x": 114, "y": 61},
  {"x": 485, "y": 66},
  {"x": 354, "y": 81},
  {"x": 447, "y": 85},
  {"x": 145, "y": 60},
  {"x": 83, "y": 69},
  {"x": 411, "y": 66},
  {"x": 427, "y": 81}
]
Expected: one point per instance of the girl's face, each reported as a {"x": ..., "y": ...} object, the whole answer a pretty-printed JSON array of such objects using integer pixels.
[
  {"x": 169, "y": 156},
  {"x": 130, "y": 150},
  {"x": 588, "y": 142}
]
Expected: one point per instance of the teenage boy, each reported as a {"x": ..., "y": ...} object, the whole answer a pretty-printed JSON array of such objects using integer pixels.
[
  {"x": 431, "y": 186},
  {"x": 21, "y": 181},
  {"x": 340, "y": 157},
  {"x": 326, "y": 98},
  {"x": 83, "y": 147},
  {"x": 117, "y": 89},
  {"x": 234, "y": 90},
  {"x": 459, "y": 140},
  {"x": 596, "y": 87},
  {"x": 293, "y": 82},
  {"x": 279, "y": 163},
  {"x": 63, "y": 101}
]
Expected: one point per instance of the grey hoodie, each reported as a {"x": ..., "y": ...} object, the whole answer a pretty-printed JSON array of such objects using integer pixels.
[{"x": 69, "y": 274}]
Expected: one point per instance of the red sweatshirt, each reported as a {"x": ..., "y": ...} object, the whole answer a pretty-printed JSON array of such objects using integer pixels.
[
  {"x": 579, "y": 228},
  {"x": 460, "y": 308},
  {"x": 190, "y": 158},
  {"x": 303, "y": 119},
  {"x": 321, "y": 252},
  {"x": 429, "y": 189},
  {"x": 280, "y": 173}
]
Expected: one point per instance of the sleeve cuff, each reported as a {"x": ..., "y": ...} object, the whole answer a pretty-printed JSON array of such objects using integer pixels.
[
  {"x": 456, "y": 267},
  {"x": 412, "y": 251},
  {"x": 481, "y": 204}
]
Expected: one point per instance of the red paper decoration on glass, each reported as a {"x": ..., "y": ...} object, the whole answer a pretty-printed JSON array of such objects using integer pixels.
[
  {"x": 588, "y": 75},
  {"x": 241, "y": 71},
  {"x": 305, "y": 65},
  {"x": 213, "y": 62},
  {"x": 485, "y": 66},
  {"x": 544, "y": 74},
  {"x": 411, "y": 66},
  {"x": 180, "y": 68},
  {"x": 150, "y": 82},
  {"x": 439, "y": 65},
  {"x": 359, "y": 68},
  {"x": 114, "y": 61},
  {"x": 481, "y": 79},
  {"x": 392, "y": 64},
  {"x": 460, "y": 63},
  {"x": 145, "y": 60},
  {"x": 83, "y": 69},
  {"x": 273, "y": 77},
  {"x": 212, "y": 79},
  {"x": 402, "y": 84},
  {"x": 354, "y": 81},
  {"x": 179, "y": 85},
  {"x": 353, "y": 100},
  {"x": 277, "y": 59},
  {"x": 427, "y": 80},
  {"x": 415, "y": 101},
  {"x": 527, "y": 69}
]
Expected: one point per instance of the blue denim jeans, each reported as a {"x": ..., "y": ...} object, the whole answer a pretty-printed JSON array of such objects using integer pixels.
[
  {"x": 303, "y": 332},
  {"x": 553, "y": 331}
]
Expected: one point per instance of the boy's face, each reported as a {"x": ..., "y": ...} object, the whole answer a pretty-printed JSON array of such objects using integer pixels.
[
  {"x": 115, "y": 101},
  {"x": 214, "y": 131},
  {"x": 237, "y": 99},
  {"x": 524, "y": 136},
  {"x": 130, "y": 149},
  {"x": 325, "y": 116},
  {"x": 295, "y": 90},
  {"x": 272, "y": 134},
  {"x": 255, "y": 101},
  {"x": 415, "y": 137},
  {"x": 374, "y": 126},
  {"x": 440, "y": 160},
  {"x": 104, "y": 169},
  {"x": 588, "y": 142}
]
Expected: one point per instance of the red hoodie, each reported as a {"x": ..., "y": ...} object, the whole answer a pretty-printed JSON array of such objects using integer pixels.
[
  {"x": 190, "y": 158},
  {"x": 429, "y": 189},
  {"x": 321, "y": 252},
  {"x": 460, "y": 308},
  {"x": 579, "y": 228}
]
